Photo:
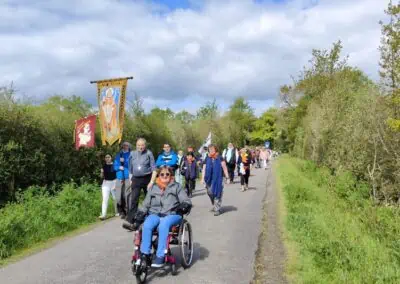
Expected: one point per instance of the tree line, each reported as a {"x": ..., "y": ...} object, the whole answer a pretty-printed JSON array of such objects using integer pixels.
[
  {"x": 37, "y": 146},
  {"x": 336, "y": 116}
]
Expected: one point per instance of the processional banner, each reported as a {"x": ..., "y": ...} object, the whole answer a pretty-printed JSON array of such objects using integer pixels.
[
  {"x": 85, "y": 129},
  {"x": 111, "y": 99}
]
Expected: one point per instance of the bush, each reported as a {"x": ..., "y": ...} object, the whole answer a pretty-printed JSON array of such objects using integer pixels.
[{"x": 39, "y": 216}]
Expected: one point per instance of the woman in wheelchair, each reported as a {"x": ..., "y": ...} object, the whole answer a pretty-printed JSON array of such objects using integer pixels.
[{"x": 164, "y": 205}]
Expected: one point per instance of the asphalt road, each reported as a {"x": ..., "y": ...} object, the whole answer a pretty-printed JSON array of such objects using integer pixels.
[{"x": 225, "y": 247}]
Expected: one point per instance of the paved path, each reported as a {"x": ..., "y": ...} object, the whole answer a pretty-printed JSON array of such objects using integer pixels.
[{"x": 225, "y": 247}]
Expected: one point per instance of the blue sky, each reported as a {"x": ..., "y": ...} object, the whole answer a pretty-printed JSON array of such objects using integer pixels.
[{"x": 181, "y": 53}]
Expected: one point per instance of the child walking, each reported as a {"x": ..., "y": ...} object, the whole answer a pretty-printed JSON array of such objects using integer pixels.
[
  {"x": 190, "y": 172},
  {"x": 108, "y": 187}
]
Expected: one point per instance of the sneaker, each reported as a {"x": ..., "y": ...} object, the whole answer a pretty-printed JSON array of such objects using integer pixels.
[
  {"x": 117, "y": 215},
  {"x": 128, "y": 226},
  {"x": 212, "y": 209},
  {"x": 158, "y": 262},
  {"x": 102, "y": 218},
  {"x": 243, "y": 189},
  {"x": 217, "y": 213}
]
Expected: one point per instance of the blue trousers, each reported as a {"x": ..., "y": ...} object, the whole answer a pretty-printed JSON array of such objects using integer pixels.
[{"x": 164, "y": 224}]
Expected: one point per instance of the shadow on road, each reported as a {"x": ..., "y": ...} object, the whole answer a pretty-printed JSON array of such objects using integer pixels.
[
  {"x": 229, "y": 208},
  {"x": 198, "y": 194},
  {"x": 200, "y": 253}
]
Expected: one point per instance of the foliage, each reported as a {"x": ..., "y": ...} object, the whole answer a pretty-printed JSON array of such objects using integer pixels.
[
  {"x": 335, "y": 233},
  {"x": 37, "y": 147},
  {"x": 334, "y": 115},
  {"x": 38, "y": 216}
]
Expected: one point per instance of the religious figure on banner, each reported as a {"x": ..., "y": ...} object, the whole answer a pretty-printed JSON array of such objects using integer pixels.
[
  {"x": 85, "y": 129},
  {"x": 85, "y": 136},
  {"x": 110, "y": 108},
  {"x": 111, "y": 99}
]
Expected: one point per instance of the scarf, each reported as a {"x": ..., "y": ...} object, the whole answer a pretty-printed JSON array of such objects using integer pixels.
[
  {"x": 161, "y": 184},
  {"x": 245, "y": 157},
  {"x": 213, "y": 176}
]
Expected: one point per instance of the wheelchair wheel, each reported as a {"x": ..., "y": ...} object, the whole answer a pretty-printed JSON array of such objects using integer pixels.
[
  {"x": 186, "y": 244},
  {"x": 142, "y": 271}
]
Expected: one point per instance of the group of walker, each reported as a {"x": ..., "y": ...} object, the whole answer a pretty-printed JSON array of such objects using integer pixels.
[
  {"x": 166, "y": 200},
  {"x": 135, "y": 170}
]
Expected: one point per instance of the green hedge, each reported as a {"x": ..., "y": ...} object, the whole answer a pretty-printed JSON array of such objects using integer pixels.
[{"x": 38, "y": 216}]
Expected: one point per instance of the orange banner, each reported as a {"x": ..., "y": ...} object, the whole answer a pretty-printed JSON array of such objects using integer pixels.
[{"x": 111, "y": 99}]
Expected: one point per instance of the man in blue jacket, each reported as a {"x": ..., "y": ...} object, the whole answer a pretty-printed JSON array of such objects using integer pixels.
[
  {"x": 121, "y": 166},
  {"x": 168, "y": 157}
]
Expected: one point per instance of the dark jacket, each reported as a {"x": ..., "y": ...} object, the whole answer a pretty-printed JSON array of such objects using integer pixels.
[{"x": 190, "y": 171}]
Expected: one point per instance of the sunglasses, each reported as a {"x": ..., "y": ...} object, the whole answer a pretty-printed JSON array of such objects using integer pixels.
[{"x": 165, "y": 174}]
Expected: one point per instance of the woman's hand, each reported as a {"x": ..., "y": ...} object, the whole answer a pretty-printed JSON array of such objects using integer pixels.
[
  {"x": 121, "y": 168},
  {"x": 150, "y": 185}
]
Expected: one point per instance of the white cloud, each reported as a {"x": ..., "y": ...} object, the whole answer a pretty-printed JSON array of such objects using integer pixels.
[{"x": 181, "y": 57}]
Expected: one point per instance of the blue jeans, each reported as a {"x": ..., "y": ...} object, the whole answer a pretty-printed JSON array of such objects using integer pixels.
[{"x": 164, "y": 224}]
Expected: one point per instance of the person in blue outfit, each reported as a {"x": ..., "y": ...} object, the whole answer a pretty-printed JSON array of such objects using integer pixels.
[
  {"x": 214, "y": 169},
  {"x": 167, "y": 158},
  {"x": 123, "y": 183}
]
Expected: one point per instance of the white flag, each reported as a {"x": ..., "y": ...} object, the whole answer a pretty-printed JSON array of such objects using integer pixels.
[{"x": 206, "y": 143}]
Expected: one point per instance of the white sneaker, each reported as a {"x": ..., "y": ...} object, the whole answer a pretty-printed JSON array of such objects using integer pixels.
[{"x": 117, "y": 215}]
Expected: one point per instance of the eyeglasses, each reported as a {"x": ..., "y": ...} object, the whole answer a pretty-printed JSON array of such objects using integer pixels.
[{"x": 165, "y": 174}]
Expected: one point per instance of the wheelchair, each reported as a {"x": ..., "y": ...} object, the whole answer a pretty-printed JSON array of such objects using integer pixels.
[{"x": 180, "y": 235}]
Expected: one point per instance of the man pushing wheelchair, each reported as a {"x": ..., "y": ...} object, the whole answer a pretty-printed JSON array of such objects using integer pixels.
[{"x": 163, "y": 208}]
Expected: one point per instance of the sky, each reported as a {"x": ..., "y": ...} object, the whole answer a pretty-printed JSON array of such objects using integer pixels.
[{"x": 180, "y": 53}]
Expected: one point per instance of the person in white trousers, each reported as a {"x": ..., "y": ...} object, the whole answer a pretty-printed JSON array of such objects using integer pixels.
[{"x": 108, "y": 187}]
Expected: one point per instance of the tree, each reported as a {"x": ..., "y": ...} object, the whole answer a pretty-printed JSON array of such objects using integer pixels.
[
  {"x": 185, "y": 117},
  {"x": 390, "y": 49},
  {"x": 209, "y": 111},
  {"x": 264, "y": 128},
  {"x": 73, "y": 104},
  {"x": 390, "y": 62},
  {"x": 240, "y": 118}
]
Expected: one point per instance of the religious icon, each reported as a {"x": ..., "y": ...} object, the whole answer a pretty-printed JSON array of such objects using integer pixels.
[
  {"x": 85, "y": 132},
  {"x": 109, "y": 106}
]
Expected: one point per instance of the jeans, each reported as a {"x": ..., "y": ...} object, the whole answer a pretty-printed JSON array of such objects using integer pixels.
[
  {"x": 244, "y": 178},
  {"x": 107, "y": 188},
  {"x": 121, "y": 191},
  {"x": 190, "y": 185},
  {"x": 164, "y": 224}
]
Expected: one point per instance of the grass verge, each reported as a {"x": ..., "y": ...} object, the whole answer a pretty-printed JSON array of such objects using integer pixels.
[
  {"x": 334, "y": 233},
  {"x": 39, "y": 219}
]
